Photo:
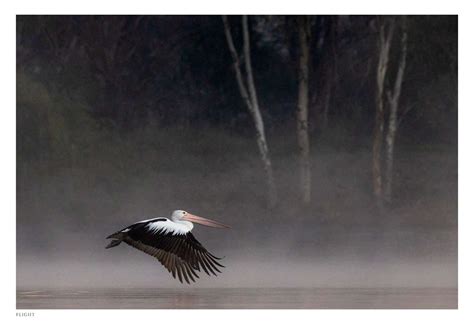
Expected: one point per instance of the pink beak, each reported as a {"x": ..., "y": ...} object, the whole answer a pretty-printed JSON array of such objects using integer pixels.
[{"x": 203, "y": 221}]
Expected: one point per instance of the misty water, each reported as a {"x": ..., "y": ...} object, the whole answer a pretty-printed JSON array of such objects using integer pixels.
[
  {"x": 339, "y": 253},
  {"x": 238, "y": 298}
]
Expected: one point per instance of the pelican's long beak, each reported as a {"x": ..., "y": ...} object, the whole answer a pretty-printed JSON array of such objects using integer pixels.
[{"x": 203, "y": 221}]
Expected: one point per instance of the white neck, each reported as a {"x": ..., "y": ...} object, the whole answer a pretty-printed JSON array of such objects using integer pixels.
[{"x": 189, "y": 225}]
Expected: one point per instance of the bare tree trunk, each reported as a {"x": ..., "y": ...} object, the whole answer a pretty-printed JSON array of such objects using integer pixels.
[
  {"x": 327, "y": 77},
  {"x": 327, "y": 101},
  {"x": 302, "y": 110},
  {"x": 249, "y": 95},
  {"x": 393, "y": 99},
  {"x": 385, "y": 41}
]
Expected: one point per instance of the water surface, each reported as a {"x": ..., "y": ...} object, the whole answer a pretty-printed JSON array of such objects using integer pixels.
[{"x": 237, "y": 298}]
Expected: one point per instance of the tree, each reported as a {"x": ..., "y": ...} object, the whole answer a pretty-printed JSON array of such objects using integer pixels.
[
  {"x": 323, "y": 72},
  {"x": 393, "y": 97},
  {"x": 304, "y": 36},
  {"x": 385, "y": 34},
  {"x": 114, "y": 57},
  {"x": 249, "y": 95},
  {"x": 387, "y": 96}
]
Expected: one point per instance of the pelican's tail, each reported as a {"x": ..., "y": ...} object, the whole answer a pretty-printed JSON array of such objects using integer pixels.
[
  {"x": 117, "y": 239},
  {"x": 113, "y": 243}
]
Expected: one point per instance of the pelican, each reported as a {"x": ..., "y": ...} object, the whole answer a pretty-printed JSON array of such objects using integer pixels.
[{"x": 172, "y": 243}]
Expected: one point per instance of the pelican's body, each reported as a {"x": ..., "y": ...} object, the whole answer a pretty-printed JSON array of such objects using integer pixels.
[{"x": 172, "y": 243}]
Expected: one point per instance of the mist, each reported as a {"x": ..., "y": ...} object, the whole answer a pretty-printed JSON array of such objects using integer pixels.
[{"x": 340, "y": 241}]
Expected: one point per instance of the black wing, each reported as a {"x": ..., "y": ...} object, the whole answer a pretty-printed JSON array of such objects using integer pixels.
[{"x": 181, "y": 255}]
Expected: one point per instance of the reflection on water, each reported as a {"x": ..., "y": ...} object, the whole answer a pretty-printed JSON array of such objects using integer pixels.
[{"x": 236, "y": 298}]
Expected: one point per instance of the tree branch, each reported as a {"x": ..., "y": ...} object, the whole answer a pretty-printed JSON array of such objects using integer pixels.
[{"x": 236, "y": 63}]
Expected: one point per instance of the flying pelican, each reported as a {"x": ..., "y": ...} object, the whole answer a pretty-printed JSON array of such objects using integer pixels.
[{"x": 172, "y": 243}]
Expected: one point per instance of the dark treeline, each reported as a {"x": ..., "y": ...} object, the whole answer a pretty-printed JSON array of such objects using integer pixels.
[
  {"x": 111, "y": 98},
  {"x": 129, "y": 71}
]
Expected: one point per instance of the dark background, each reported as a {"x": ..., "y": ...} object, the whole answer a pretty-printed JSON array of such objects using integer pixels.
[{"x": 122, "y": 118}]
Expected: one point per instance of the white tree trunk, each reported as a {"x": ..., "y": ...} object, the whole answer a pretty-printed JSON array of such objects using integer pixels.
[
  {"x": 385, "y": 41},
  {"x": 302, "y": 110},
  {"x": 393, "y": 99},
  {"x": 249, "y": 95}
]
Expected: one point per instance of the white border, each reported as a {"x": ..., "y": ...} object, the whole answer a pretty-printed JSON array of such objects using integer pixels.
[{"x": 243, "y": 321}]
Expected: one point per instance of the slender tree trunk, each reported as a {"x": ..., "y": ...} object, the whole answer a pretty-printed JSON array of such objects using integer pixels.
[
  {"x": 302, "y": 110},
  {"x": 249, "y": 95},
  {"x": 385, "y": 41},
  {"x": 327, "y": 100},
  {"x": 327, "y": 79},
  {"x": 393, "y": 99}
]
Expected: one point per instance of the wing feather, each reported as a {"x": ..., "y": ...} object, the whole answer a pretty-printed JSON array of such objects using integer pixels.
[{"x": 181, "y": 254}]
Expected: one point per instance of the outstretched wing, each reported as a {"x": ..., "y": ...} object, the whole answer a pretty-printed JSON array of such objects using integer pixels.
[{"x": 181, "y": 254}]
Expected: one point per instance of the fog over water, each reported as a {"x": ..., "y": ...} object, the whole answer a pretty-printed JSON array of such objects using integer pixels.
[{"x": 341, "y": 240}]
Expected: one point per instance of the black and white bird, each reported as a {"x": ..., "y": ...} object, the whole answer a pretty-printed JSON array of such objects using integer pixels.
[{"x": 172, "y": 243}]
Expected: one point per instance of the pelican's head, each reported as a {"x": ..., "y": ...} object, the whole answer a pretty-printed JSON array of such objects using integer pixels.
[{"x": 180, "y": 215}]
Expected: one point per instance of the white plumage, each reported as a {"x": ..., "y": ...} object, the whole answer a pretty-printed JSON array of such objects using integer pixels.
[{"x": 171, "y": 227}]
